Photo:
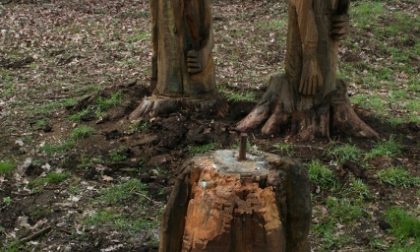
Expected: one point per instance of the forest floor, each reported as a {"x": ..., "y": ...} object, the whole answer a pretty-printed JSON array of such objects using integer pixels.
[{"x": 76, "y": 175}]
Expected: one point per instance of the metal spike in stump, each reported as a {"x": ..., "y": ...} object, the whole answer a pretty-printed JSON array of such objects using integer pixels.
[{"x": 227, "y": 201}]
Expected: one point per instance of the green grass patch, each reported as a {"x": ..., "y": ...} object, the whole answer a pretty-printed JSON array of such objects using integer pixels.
[
  {"x": 7, "y": 167},
  {"x": 120, "y": 222},
  {"x": 139, "y": 36},
  {"x": 122, "y": 193},
  {"x": 114, "y": 100},
  {"x": 398, "y": 177},
  {"x": 344, "y": 210},
  {"x": 321, "y": 176},
  {"x": 52, "y": 106},
  {"x": 403, "y": 224},
  {"x": 357, "y": 190},
  {"x": 285, "y": 148},
  {"x": 237, "y": 96},
  {"x": 81, "y": 132},
  {"x": 346, "y": 152},
  {"x": 389, "y": 148},
  {"x": 51, "y": 178},
  {"x": 83, "y": 115},
  {"x": 51, "y": 149},
  {"x": 340, "y": 211},
  {"x": 201, "y": 149},
  {"x": 118, "y": 155}
]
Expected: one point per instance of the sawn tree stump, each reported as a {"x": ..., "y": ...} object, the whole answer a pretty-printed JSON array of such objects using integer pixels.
[{"x": 221, "y": 204}]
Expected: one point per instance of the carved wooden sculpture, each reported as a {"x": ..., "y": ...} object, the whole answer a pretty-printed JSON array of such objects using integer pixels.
[
  {"x": 182, "y": 64},
  {"x": 221, "y": 204},
  {"x": 309, "y": 95}
]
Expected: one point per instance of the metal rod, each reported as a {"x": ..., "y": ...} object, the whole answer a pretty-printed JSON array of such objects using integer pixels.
[{"x": 242, "y": 148}]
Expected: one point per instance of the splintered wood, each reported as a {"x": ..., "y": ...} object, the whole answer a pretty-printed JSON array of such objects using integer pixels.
[{"x": 222, "y": 204}]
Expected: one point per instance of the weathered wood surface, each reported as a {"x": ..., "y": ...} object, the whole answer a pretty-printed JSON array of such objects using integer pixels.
[
  {"x": 183, "y": 71},
  {"x": 221, "y": 204},
  {"x": 182, "y": 48},
  {"x": 308, "y": 95}
]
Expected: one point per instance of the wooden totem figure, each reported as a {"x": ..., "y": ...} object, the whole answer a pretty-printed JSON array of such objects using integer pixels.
[
  {"x": 182, "y": 64},
  {"x": 309, "y": 95}
]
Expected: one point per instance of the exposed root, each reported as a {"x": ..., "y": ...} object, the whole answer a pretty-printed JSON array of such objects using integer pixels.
[
  {"x": 159, "y": 106},
  {"x": 277, "y": 108},
  {"x": 345, "y": 118}
]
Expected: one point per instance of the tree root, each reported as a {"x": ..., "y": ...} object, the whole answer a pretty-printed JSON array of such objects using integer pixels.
[
  {"x": 277, "y": 108},
  {"x": 159, "y": 106}
]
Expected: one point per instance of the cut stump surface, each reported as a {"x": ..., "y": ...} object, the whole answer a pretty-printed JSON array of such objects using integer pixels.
[{"x": 222, "y": 204}]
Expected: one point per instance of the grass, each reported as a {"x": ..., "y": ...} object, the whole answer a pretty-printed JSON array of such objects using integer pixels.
[
  {"x": 140, "y": 126},
  {"x": 98, "y": 109},
  {"x": 140, "y": 36},
  {"x": 120, "y": 222},
  {"x": 398, "y": 177},
  {"x": 122, "y": 193},
  {"x": 82, "y": 115},
  {"x": 201, "y": 149},
  {"x": 81, "y": 132},
  {"x": 52, "y": 178},
  {"x": 237, "y": 96},
  {"x": 340, "y": 212},
  {"x": 285, "y": 148},
  {"x": 51, "y": 149},
  {"x": 357, "y": 190},
  {"x": 114, "y": 100},
  {"x": 389, "y": 148},
  {"x": 403, "y": 224},
  {"x": 7, "y": 167},
  {"x": 118, "y": 155},
  {"x": 321, "y": 176},
  {"x": 346, "y": 152}
]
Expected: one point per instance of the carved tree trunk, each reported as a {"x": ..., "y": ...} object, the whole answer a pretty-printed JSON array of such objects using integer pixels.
[
  {"x": 221, "y": 204},
  {"x": 183, "y": 73},
  {"x": 309, "y": 96}
]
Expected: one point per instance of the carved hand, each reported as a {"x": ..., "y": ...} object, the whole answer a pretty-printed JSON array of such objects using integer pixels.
[
  {"x": 311, "y": 79},
  {"x": 340, "y": 26},
  {"x": 196, "y": 61}
]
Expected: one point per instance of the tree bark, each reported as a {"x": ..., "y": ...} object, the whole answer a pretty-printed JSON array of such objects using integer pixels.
[
  {"x": 221, "y": 204},
  {"x": 308, "y": 95}
]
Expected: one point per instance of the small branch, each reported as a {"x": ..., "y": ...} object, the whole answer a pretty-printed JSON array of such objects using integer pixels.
[
  {"x": 36, "y": 234},
  {"x": 146, "y": 197}
]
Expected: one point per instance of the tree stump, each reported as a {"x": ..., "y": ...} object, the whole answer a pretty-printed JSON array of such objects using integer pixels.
[
  {"x": 309, "y": 96},
  {"x": 221, "y": 204}
]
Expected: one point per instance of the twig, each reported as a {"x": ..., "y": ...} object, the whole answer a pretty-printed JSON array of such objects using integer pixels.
[
  {"x": 36, "y": 234},
  {"x": 144, "y": 196}
]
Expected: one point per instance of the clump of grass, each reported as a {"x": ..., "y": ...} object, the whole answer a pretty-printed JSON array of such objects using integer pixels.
[
  {"x": 121, "y": 193},
  {"x": 200, "y": 149},
  {"x": 398, "y": 177},
  {"x": 114, "y": 100},
  {"x": 237, "y": 96},
  {"x": 82, "y": 115},
  {"x": 284, "y": 148},
  {"x": 357, "y": 190},
  {"x": 346, "y": 152},
  {"x": 140, "y": 126},
  {"x": 120, "y": 222},
  {"x": 403, "y": 224},
  {"x": 58, "y": 148},
  {"x": 51, "y": 178},
  {"x": 340, "y": 211},
  {"x": 389, "y": 148},
  {"x": 320, "y": 175},
  {"x": 7, "y": 167},
  {"x": 344, "y": 210},
  {"x": 118, "y": 155},
  {"x": 81, "y": 132}
]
